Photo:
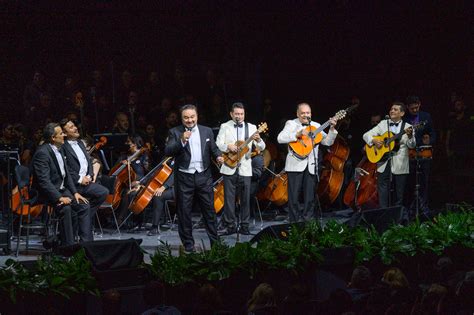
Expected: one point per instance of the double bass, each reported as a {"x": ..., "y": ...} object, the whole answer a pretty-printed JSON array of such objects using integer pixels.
[
  {"x": 362, "y": 189},
  {"x": 153, "y": 180},
  {"x": 276, "y": 190},
  {"x": 332, "y": 176}
]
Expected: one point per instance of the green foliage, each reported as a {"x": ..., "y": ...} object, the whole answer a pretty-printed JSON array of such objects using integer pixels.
[
  {"x": 302, "y": 249},
  {"x": 53, "y": 275}
]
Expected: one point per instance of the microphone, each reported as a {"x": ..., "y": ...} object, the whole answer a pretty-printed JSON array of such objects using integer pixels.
[
  {"x": 387, "y": 116},
  {"x": 308, "y": 119}
]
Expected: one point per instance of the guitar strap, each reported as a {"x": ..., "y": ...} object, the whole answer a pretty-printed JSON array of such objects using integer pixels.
[
  {"x": 246, "y": 131},
  {"x": 398, "y": 136}
]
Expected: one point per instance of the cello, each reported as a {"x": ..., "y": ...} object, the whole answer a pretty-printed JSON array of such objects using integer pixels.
[
  {"x": 154, "y": 180},
  {"x": 123, "y": 174}
]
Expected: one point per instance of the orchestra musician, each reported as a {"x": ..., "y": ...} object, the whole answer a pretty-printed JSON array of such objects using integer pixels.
[
  {"x": 238, "y": 179},
  {"x": 139, "y": 167},
  {"x": 302, "y": 171},
  {"x": 79, "y": 165},
  {"x": 398, "y": 164},
  {"x": 425, "y": 138},
  {"x": 161, "y": 195},
  {"x": 192, "y": 146},
  {"x": 55, "y": 185}
]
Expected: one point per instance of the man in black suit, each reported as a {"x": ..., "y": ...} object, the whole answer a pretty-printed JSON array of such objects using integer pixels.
[
  {"x": 425, "y": 139},
  {"x": 192, "y": 145},
  {"x": 79, "y": 165},
  {"x": 55, "y": 186}
]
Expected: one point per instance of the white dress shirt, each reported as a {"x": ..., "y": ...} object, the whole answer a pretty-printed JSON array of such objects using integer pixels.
[
  {"x": 82, "y": 159},
  {"x": 196, "y": 164},
  {"x": 60, "y": 160}
]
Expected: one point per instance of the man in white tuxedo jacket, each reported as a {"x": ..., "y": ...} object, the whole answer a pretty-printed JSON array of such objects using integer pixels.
[
  {"x": 240, "y": 176},
  {"x": 302, "y": 171},
  {"x": 398, "y": 165}
]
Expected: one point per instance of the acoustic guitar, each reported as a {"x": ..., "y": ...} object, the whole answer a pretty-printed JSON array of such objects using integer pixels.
[
  {"x": 232, "y": 159},
  {"x": 303, "y": 146},
  {"x": 389, "y": 141}
]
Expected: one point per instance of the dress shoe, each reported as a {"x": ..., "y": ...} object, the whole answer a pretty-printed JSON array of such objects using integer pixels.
[
  {"x": 189, "y": 250},
  {"x": 244, "y": 230},
  {"x": 228, "y": 230},
  {"x": 153, "y": 231}
]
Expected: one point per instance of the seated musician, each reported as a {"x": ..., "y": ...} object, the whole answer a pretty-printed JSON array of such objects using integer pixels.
[
  {"x": 398, "y": 163},
  {"x": 55, "y": 185},
  {"x": 79, "y": 165},
  {"x": 162, "y": 194},
  {"x": 139, "y": 167}
]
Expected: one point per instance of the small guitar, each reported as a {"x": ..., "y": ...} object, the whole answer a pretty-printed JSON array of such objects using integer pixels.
[
  {"x": 232, "y": 159},
  {"x": 303, "y": 146},
  {"x": 389, "y": 140}
]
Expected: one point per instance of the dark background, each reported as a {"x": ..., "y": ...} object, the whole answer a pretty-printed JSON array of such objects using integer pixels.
[{"x": 324, "y": 52}]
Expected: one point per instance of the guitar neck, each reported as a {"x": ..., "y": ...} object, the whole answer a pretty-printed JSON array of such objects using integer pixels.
[
  {"x": 247, "y": 141},
  {"x": 322, "y": 127}
]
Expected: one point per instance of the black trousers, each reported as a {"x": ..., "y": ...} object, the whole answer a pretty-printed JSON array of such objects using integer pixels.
[
  {"x": 187, "y": 188},
  {"x": 383, "y": 187},
  {"x": 74, "y": 217},
  {"x": 159, "y": 205},
  {"x": 298, "y": 181},
  {"x": 241, "y": 185},
  {"x": 96, "y": 194}
]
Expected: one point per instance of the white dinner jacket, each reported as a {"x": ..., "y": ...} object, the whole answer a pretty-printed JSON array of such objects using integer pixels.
[
  {"x": 228, "y": 135},
  {"x": 400, "y": 161},
  {"x": 288, "y": 134}
]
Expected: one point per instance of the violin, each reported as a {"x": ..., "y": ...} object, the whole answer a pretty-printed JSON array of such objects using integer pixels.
[
  {"x": 218, "y": 187},
  {"x": 123, "y": 174},
  {"x": 154, "y": 180}
]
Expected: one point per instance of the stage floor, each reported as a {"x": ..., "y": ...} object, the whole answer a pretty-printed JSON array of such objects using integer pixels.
[{"x": 167, "y": 235}]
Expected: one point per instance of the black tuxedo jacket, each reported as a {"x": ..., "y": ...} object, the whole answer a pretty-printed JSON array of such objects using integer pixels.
[
  {"x": 47, "y": 177},
  {"x": 73, "y": 164},
  {"x": 182, "y": 154},
  {"x": 427, "y": 129}
]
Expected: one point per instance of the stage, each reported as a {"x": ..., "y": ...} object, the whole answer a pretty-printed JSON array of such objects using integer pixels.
[{"x": 168, "y": 234}]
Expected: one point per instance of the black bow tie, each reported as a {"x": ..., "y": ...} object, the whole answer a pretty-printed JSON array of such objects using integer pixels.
[
  {"x": 394, "y": 124},
  {"x": 305, "y": 124},
  {"x": 238, "y": 125}
]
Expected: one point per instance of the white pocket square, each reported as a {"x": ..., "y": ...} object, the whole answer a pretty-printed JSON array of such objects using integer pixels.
[{"x": 208, "y": 139}]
